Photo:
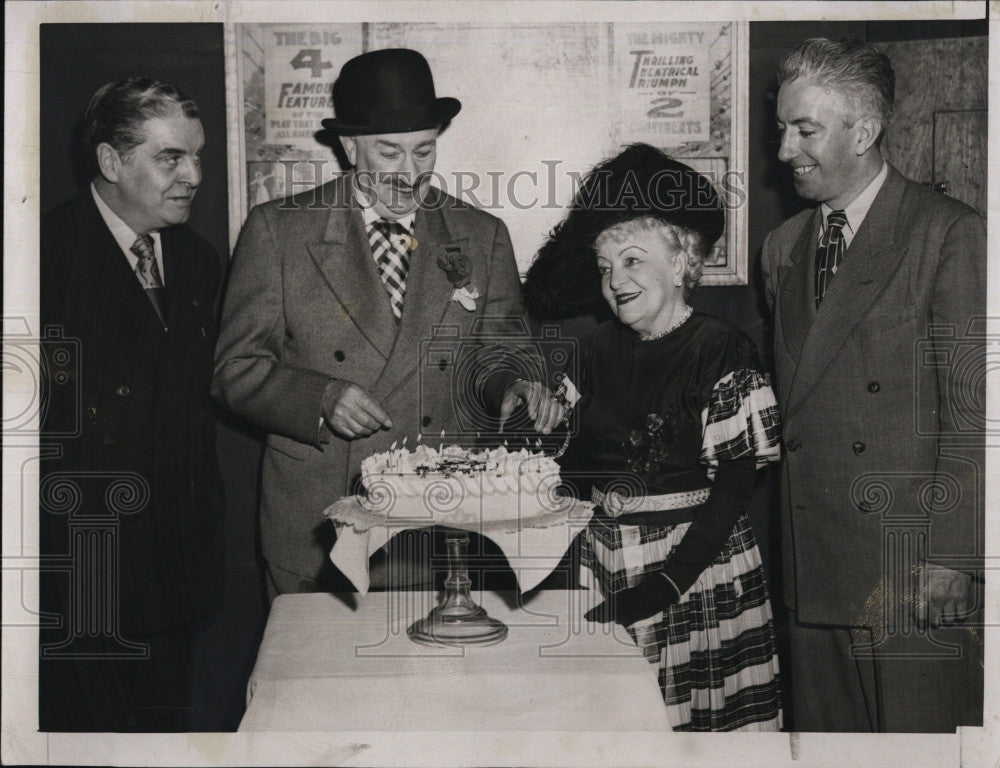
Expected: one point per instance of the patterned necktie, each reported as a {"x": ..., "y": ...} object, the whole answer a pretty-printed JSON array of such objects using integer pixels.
[
  {"x": 830, "y": 252},
  {"x": 148, "y": 272},
  {"x": 392, "y": 259}
]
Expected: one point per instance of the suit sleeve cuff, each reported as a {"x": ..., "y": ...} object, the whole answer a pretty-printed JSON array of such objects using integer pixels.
[{"x": 331, "y": 393}]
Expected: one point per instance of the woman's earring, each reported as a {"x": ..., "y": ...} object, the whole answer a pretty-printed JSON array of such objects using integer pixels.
[{"x": 679, "y": 271}]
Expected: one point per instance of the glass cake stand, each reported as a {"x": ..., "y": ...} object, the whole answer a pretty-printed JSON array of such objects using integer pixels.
[{"x": 457, "y": 620}]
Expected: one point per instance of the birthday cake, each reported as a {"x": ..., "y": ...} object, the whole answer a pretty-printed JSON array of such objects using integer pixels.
[{"x": 461, "y": 485}]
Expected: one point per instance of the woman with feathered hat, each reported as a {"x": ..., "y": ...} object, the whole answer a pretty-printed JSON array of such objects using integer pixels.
[{"x": 675, "y": 418}]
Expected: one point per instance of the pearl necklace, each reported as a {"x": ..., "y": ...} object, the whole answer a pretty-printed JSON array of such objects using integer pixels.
[{"x": 672, "y": 327}]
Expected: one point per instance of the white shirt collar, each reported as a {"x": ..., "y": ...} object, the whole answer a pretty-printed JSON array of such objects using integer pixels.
[
  {"x": 370, "y": 216},
  {"x": 857, "y": 209},
  {"x": 123, "y": 233}
]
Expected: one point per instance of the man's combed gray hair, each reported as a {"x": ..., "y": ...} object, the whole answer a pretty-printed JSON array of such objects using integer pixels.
[
  {"x": 859, "y": 71},
  {"x": 117, "y": 112}
]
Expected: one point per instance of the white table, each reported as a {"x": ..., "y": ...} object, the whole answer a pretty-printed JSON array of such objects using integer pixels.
[{"x": 326, "y": 666}]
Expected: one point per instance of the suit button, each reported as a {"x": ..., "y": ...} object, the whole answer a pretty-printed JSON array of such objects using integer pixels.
[
  {"x": 338, "y": 356},
  {"x": 426, "y": 421},
  {"x": 195, "y": 303},
  {"x": 123, "y": 391},
  {"x": 92, "y": 412},
  {"x": 859, "y": 447},
  {"x": 874, "y": 387},
  {"x": 791, "y": 446}
]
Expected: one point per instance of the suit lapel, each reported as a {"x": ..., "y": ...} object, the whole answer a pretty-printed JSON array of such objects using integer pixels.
[
  {"x": 122, "y": 321},
  {"x": 175, "y": 278},
  {"x": 102, "y": 259},
  {"x": 190, "y": 290},
  {"x": 797, "y": 301},
  {"x": 868, "y": 265},
  {"x": 344, "y": 258},
  {"x": 179, "y": 272},
  {"x": 98, "y": 261},
  {"x": 428, "y": 294}
]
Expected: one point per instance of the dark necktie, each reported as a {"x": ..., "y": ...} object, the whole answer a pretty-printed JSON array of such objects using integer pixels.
[
  {"x": 830, "y": 252},
  {"x": 392, "y": 259},
  {"x": 148, "y": 272}
]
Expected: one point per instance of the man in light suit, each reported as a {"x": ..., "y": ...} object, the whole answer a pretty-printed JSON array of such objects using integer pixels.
[
  {"x": 332, "y": 297},
  {"x": 876, "y": 294},
  {"x": 131, "y": 421}
]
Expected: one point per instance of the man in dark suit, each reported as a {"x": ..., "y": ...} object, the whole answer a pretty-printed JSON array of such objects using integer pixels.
[
  {"x": 333, "y": 301},
  {"x": 129, "y": 530},
  {"x": 876, "y": 294}
]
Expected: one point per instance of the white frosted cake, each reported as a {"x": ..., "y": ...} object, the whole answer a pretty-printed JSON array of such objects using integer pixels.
[{"x": 461, "y": 485}]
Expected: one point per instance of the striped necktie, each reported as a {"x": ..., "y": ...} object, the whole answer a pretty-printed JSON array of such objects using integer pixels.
[
  {"x": 148, "y": 272},
  {"x": 830, "y": 252},
  {"x": 386, "y": 239}
]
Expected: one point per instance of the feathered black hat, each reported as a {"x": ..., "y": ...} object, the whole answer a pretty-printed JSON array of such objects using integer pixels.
[{"x": 641, "y": 181}]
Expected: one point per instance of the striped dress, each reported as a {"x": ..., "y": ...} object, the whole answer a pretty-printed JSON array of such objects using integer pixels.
[{"x": 655, "y": 418}]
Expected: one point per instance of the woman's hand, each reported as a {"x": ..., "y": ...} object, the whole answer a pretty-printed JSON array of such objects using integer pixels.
[
  {"x": 542, "y": 406},
  {"x": 650, "y": 596}
]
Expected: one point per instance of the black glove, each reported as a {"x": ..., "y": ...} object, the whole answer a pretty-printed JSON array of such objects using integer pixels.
[
  {"x": 701, "y": 544},
  {"x": 650, "y": 596}
]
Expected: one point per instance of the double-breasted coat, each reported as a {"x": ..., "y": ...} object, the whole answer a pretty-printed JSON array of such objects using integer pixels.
[
  {"x": 882, "y": 398},
  {"x": 305, "y": 305},
  {"x": 127, "y": 399}
]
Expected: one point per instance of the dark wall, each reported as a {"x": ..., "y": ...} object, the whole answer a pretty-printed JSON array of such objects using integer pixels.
[{"x": 77, "y": 59}]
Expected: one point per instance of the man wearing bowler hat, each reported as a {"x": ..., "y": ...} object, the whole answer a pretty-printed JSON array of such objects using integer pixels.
[{"x": 332, "y": 293}]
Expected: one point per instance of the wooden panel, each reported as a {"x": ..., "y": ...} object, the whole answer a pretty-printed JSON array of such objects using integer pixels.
[
  {"x": 960, "y": 155},
  {"x": 932, "y": 76}
]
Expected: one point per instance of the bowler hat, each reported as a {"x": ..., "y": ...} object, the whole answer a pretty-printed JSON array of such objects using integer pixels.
[
  {"x": 388, "y": 91},
  {"x": 639, "y": 182}
]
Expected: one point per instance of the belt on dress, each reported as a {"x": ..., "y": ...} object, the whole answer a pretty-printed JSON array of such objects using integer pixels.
[{"x": 663, "y": 509}]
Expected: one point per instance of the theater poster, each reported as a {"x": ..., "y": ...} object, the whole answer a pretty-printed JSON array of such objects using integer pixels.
[{"x": 541, "y": 104}]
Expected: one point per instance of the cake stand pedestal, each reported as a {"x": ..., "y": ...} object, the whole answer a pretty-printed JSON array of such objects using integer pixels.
[{"x": 457, "y": 620}]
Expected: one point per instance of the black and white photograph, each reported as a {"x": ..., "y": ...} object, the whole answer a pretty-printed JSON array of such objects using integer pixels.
[{"x": 566, "y": 382}]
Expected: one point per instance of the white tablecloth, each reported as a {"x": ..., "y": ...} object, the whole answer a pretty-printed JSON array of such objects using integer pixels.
[
  {"x": 533, "y": 547},
  {"x": 324, "y": 666}
]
